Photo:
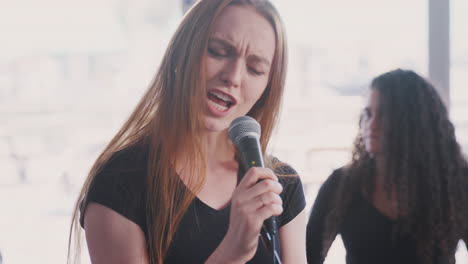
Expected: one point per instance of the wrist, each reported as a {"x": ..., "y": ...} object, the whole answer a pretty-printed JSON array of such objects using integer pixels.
[{"x": 224, "y": 254}]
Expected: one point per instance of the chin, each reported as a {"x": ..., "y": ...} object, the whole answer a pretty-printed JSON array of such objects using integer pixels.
[
  {"x": 216, "y": 125},
  {"x": 373, "y": 152}
]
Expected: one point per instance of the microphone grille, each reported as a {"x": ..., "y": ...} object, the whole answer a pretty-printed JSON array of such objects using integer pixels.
[{"x": 243, "y": 126}]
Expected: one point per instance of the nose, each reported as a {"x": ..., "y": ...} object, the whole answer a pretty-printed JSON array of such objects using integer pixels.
[
  {"x": 374, "y": 123},
  {"x": 232, "y": 73}
]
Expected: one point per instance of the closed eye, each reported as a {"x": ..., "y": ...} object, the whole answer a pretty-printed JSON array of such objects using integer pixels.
[
  {"x": 216, "y": 52},
  {"x": 255, "y": 71}
]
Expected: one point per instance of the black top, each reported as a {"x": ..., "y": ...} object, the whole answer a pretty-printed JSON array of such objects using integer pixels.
[
  {"x": 365, "y": 231},
  {"x": 120, "y": 186}
]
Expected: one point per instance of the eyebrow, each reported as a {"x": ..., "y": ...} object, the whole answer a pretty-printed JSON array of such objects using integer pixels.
[
  {"x": 260, "y": 59},
  {"x": 231, "y": 47},
  {"x": 223, "y": 42}
]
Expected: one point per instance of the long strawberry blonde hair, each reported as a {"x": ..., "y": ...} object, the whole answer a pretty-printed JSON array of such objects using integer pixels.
[{"x": 170, "y": 119}]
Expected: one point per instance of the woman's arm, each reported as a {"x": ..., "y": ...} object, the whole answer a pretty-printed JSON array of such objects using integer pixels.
[
  {"x": 465, "y": 239},
  {"x": 316, "y": 223},
  {"x": 113, "y": 238},
  {"x": 292, "y": 240}
]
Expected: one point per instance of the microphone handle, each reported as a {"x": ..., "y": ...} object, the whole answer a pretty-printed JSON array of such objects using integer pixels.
[
  {"x": 251, "y": 156},
  {"x": 250, "y": 152}
]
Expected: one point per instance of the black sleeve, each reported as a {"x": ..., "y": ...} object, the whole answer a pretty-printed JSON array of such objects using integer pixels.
[
  {"x": 316, "y": 223},
  {"x": 119, "y": 185},
  {"x": 293, "y": 193},
  {"x": 465, "y": 237},
  {"x": 293, "y": 199}
]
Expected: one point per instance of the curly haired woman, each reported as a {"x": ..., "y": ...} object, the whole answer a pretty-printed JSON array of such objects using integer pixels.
[{"x": 403, "y": 197}]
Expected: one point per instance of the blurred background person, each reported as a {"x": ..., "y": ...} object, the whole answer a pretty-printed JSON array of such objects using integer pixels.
[{"x": 403, "y": 198}]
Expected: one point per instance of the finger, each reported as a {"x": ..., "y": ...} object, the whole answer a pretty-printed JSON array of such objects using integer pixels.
[
  {"x": 247, "y": 206},
  {"x": 270, "y": 198},
  {"x": 269, "y": 210},
  {"x": 264, "y": 186},
  {"x": 254, "y": 174},
  {"x": 260, "y": 188},
  {"x": 256, "y": 217}
]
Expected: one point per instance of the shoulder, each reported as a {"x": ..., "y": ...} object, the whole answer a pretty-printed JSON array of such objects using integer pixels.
[
  {"x": 120, "y": 184},
  {"x": 124, "y": 174},
  {"x": 126, "y": 167},
  {"x": 331, "y": 186},
  {"x": 133, "y": 158},
  {"x": 280, "y": 168},
  {"x": 286, "y": 174},
  {"x": 293, "y": 192},
  {"x": 335, "y": 178}
]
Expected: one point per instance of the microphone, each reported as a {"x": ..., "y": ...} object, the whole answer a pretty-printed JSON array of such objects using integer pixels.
[{"x": 244, "y": 132}]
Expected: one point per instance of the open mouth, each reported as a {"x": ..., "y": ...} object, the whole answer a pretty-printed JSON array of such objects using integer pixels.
[{"x": 220, "y": 100}]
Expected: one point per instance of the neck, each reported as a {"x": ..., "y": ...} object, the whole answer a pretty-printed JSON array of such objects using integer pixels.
[
  {"x": 379, "y": 164},
  {"x": 379, "y": 169},
  {"x": 218, "y": 147},
  {"x": 218, "y": 152},
  {"x": 380, "y": 176}
]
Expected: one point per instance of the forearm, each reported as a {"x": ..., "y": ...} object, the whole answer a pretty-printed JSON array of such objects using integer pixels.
[
  {"x": 317, "y": 241},
  {"x": 292, "y": 236},
  {"x": 314, "y": 247}
]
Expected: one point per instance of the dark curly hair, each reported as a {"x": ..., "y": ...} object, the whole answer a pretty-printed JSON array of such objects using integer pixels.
[{"x": 421, "y": 160}]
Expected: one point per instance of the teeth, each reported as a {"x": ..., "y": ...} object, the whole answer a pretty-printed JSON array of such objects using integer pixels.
[
  {"x": 217, "y": 106},
  {"x": 221, "y": 96}
]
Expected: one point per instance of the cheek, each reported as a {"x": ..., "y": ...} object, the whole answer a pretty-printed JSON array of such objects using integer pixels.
[
  {"x": 211, "y": 67},
  {"x": 369, "y": 147},
  {"x": 365, "y": 128},
  {"x": 256, "y": 90}
]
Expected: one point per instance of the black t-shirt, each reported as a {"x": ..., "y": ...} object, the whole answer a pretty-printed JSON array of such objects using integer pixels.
[
  {"x": 365, "y": 231},
  {"x": 120, "y": 186}
]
